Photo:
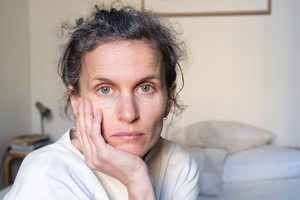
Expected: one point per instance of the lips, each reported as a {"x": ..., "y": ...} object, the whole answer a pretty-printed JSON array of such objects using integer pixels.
[{"x": 128, "y": 135}]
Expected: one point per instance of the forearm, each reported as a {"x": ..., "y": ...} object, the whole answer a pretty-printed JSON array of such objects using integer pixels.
[{"x": 141, "y": 187}]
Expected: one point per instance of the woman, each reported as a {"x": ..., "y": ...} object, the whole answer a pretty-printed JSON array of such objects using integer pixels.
[{"x": 119, "y": 67}]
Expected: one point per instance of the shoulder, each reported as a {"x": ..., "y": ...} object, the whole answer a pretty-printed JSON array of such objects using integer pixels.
[
  {"x": 175, "y": 172},
  {"x": 55, "y": 160},
  {"x": 177, "y": 154},
  {"x": 180, "y": 159},
  {"x": 56, "y": 167},
  {"x": 56, "y": 154}
]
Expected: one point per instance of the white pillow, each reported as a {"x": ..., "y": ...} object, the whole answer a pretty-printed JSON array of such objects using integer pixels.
[
  {"x": 228, "y": 135},
  {"x": 265, "y": 162},
  {"x": 210, "y": 162}
]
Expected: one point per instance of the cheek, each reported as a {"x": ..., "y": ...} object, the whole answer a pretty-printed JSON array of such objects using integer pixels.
[
  {"x": 152, "y": 115},
  {"x": 107, "y": 109},
  {"x": 105, "y": 105},
  {"x": 153, "y": 112}
]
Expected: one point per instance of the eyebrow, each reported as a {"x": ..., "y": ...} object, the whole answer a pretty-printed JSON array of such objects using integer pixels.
[
  {"x": 101, "y": 79},
  {"x": 147, "y": 78}
]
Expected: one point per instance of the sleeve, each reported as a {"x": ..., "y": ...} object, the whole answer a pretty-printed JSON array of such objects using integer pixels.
[{"x": 39, "y": 178}]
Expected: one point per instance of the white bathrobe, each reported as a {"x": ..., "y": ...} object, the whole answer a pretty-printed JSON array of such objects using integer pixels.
[{"x": 58, "y": 171}]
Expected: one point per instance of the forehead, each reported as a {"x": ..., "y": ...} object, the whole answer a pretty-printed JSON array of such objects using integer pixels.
[{"x": 121, "y": 58}]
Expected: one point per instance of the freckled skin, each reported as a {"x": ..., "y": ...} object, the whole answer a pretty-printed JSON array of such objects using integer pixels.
[{"x": 112, "y": 77}]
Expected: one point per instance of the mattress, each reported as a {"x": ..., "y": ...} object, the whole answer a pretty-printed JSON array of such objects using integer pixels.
[{"x": 280, "y": 189}]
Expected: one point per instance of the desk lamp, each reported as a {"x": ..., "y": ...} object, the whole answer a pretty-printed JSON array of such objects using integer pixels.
[{"x": 44, "y": 113}]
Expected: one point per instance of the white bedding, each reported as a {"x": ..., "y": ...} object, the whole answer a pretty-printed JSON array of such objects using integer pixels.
[
  {"x": 262, "y": 163},
  {"x": 251, "y": 168},
  {"x": 280, "y": 189}
]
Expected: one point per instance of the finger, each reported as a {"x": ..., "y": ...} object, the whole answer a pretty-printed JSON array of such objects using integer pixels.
[
  {"x": 79, "y": 135},
  {"x": 78, "y": 127},
  {"x": 88, "y": 115},
  {"x": 82, "y": 131},
  {"x": 89, "y": 120},
  {"x": 98, "y": 151},
  {"x": 95, "y": 135}
]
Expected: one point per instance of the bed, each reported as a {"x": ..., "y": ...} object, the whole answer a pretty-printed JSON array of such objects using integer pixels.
[
  {"x": 277, "y": 189},
  {"x": 266, "y": 172},
  {"x": 239, "y": 162}
]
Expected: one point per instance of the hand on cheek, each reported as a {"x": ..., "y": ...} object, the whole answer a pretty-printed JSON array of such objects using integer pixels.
[{"x": 100, "y": 156}]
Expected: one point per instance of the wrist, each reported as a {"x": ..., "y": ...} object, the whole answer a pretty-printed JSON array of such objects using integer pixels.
[{"x": 141, "y": 186}]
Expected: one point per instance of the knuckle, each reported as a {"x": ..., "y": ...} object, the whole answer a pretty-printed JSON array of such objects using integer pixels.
[
  {"x": 93, "y": 134},
  {"x": 104, "y": 156},
  {"x": 97, "y": 163}
]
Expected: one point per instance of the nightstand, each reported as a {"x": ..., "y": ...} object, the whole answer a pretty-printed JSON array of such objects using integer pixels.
[{"x": 11, "y": 156}]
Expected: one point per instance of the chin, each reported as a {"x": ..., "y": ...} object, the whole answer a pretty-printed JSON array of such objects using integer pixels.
[{"x": 133, "y": 149}]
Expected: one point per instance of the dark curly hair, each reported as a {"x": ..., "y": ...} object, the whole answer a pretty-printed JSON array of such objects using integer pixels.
[{"x": 115, "y": 24}]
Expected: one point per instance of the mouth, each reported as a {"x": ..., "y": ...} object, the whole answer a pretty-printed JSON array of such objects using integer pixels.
[{"x": 128, "y": 136}]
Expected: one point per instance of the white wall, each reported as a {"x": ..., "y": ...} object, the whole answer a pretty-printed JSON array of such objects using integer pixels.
[
  {"x": 246, "y": 68},
  {"x": 242, "y": 68},
  {"x": 15, "y": 110}
]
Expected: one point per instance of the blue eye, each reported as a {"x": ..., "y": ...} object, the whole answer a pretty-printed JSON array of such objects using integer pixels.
[
  {"x": 146, "y": 88},
  {"x": 105, "y": 90}
]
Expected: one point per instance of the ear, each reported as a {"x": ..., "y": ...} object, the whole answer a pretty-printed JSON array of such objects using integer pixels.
[
  {"x": 73, "y": 100},
  {"x": 171, "y": 96}
]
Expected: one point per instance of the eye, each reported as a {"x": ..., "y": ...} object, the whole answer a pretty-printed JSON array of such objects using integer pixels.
[
  {"x": 105, "y": 90},
  {"x": 146, "y": 88}
]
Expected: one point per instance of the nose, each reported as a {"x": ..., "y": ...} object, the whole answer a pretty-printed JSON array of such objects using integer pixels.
[{"x": 127, "y": 110}]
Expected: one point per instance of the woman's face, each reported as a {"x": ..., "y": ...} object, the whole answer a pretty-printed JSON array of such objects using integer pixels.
[{"x": 126, "y": 81}]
